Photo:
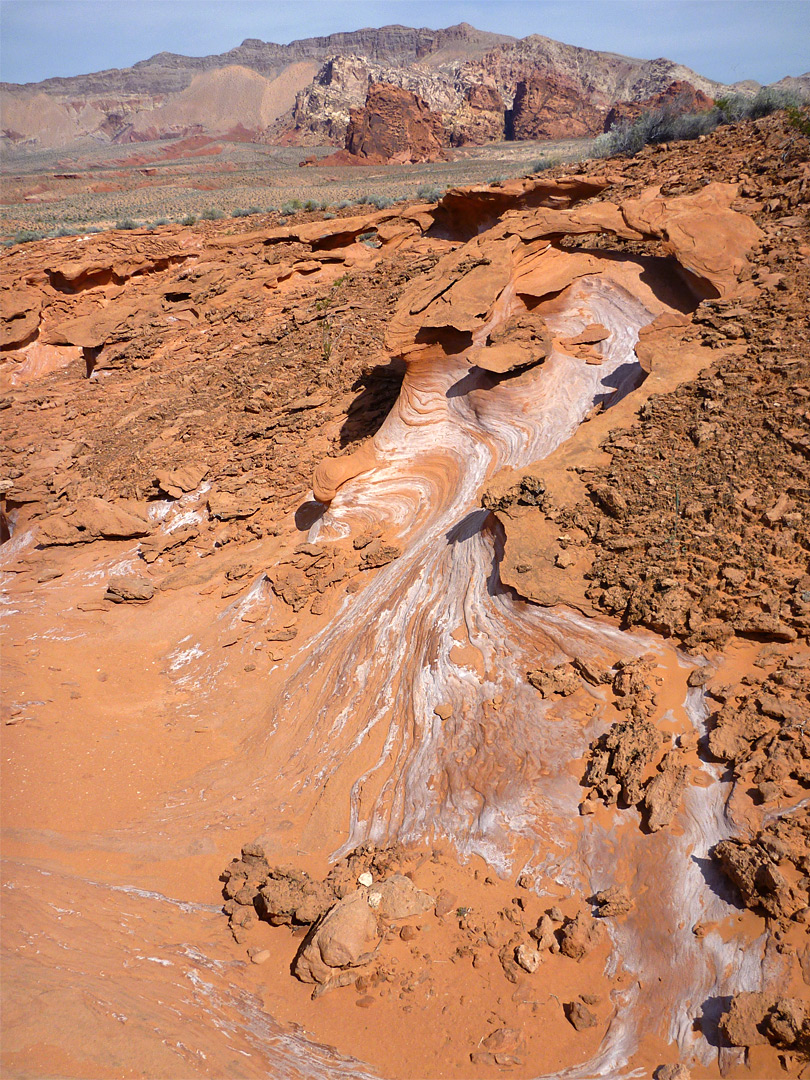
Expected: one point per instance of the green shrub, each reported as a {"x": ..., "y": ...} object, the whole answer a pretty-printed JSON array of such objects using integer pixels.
[
  {"x": 288, "y": 208},
  {"x": 189, "y": 219},
  {"x": 799, "y": 118},
  {"x": 344, "y": 204},
  {"x": 27, "y": 236},
  {"x": 381, "y": 202},
  {"x": 670, "y": 124},
  {"x": 429, "y": 192},
  {"x": 542, "y": 164},
  {"x": 212, "y": 213},
  {"x": 767, "y": 100},
  {"x": 127, "y": 223}
]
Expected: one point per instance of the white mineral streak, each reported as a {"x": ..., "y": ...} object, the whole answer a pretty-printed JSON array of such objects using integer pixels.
[{"x": 497, "y": 768}]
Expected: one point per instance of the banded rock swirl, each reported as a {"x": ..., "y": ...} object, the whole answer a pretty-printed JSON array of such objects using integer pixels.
[{"x": 399, "y": 717}]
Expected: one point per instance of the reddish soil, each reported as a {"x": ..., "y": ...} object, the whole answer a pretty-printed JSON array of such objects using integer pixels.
[{"x": 334, "y": 544}]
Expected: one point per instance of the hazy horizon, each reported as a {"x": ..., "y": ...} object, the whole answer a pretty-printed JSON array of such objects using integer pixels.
[{"x": 725, "y": 40}]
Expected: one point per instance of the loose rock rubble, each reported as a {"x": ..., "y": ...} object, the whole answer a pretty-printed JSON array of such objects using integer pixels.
[{"x": 371, "y": 900}]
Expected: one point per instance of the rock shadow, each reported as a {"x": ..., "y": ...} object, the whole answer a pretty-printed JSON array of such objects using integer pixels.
[
  {"x": 475, "y": 379},
  {"x": 709, "y": 1020},
  {"x": 308, "y": 513},
  {"x": 623, "y": 380},
  {"x": 717, "y": 881},
  {"x": 469, "y": 526},
  {"x": 378, "y": 389}
]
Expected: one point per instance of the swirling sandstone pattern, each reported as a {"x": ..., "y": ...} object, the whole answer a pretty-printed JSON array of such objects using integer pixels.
[{"x": 406, "y": 715}]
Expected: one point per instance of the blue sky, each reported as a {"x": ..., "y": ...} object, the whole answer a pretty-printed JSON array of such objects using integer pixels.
[{"x": 725, "y": 40}]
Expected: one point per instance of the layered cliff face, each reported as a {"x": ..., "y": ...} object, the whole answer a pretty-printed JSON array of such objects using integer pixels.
[
  {"x": 480, "y": 118},
  {"x": 302, "y": 92},
  {"x": 548, "y": 107}
]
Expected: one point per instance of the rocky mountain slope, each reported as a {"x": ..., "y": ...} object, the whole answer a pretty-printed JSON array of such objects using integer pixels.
[
  {"x": 303, "y": 91},
  {"x": 395, "y": 599}
]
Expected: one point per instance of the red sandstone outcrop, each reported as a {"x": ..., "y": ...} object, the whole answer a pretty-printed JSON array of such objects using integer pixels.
[
  {"x": 395, "y": 126},
  {"x": 550, "y": 107},
  {"x": 691, "y": 489}
]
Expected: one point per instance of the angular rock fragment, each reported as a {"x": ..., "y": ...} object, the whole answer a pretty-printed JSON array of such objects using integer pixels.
[
  {"x": 619, "y": 760},
  {"x": 613, "y": 902},
  {"x": 347, "y": 936},
  {"x": 225, "y": 507},
  {"x": 672, "y": 1072},
  {"x": 401, "y": 899},
  {"x": 92, "y": 519},
  {"x": 520, "y": 342},
  {"x": 176, "y": 482},
  {"x": 379, "y": 554},
  {"x": 663, "y": 794},
  {"x": 560, "y": 681},
  {"x": 580, "y": 935},
  {"x": 128, "y": 588},
  {"x": 528, "y": 957},
  {"x": 743, "y": 1024},
  {"x": 579, "y": 1016},
  {"x": 291, "y": 896},
  {"x": 545, "y": 934},
  {"x": 754, "y": 868}
]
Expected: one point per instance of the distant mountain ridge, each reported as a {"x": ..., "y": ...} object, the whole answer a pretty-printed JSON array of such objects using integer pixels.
[{"x": 303, "y": 92}]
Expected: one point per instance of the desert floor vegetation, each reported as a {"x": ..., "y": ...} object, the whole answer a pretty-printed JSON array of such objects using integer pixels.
[{"x": 77, "y": 190}]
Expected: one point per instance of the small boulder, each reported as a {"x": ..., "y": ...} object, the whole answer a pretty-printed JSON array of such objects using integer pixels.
[
  {"x": 672, "y": 1072},
  {"x": 400, "y": 898},
  {"x": 528, "y": 957},
  {"x": 347, "y": 936},
  {"x": 743, "y": 1023},
  {"x": 613, "y": 902},
  {"x": 580, "y": 936},
  {"x": 579, "y": 1016}
]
